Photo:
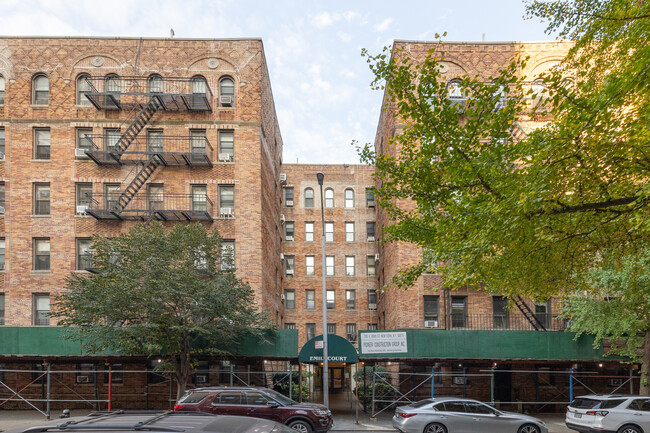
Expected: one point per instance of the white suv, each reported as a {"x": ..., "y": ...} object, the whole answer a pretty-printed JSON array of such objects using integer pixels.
[{"x": 609, "y": 414}]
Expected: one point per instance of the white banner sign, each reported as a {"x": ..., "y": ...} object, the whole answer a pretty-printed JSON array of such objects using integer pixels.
[{"x": 383, "y": 342}]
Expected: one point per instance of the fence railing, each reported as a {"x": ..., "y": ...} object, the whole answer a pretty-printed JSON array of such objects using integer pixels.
[{"x": 510, "y": 321}]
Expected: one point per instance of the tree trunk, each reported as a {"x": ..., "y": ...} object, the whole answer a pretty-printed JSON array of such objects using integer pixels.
[
  {"x": 182, "y": 373},
  {"x": 645, "y": 365}
]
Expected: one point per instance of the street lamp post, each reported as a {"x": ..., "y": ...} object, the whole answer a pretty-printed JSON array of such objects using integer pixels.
[{"x": 320, "y": 176}]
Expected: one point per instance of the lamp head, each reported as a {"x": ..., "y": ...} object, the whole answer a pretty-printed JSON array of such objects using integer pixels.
[{"x": 320, "y": 176}]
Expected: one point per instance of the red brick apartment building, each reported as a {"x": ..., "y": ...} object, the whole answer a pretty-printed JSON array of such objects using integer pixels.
[{"x": 100, "y": 134}]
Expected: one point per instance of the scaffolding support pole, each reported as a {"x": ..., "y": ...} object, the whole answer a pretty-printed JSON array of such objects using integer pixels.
[
  {"x": 372, "y": 408},
  {"x": 290, "y": 380},
  {"x": 110, "y": 386},
  {"x": 47, "y": 410},
  {"x": 231, "y": 373},
  {"x": 492, "y": 386},
  {"x": 571, "y": 384},
  {"x": 299, "y": 382},
  {"x": 433, "y": 381}
]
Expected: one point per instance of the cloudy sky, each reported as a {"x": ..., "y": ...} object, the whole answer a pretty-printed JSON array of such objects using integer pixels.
[{"x": 320, "y": 81}]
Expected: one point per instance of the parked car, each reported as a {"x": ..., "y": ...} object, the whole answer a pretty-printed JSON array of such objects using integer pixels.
[
  {"x": 259, "y": 403},
  {"x": 460, "y": 415},
  {"x": 616, "y": 413},
  {"x": 169, "y": 421}
]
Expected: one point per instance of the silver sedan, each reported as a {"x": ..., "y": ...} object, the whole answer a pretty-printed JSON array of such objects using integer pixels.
[{"x": 458, "y": 415}]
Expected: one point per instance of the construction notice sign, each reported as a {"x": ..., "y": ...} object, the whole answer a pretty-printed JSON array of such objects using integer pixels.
[{"x": 383, "y": 342}]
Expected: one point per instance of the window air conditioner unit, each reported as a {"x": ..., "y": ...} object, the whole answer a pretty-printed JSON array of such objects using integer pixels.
[
  {"x": 288, "y": 238},
  {"x": 614, "y": 382},
  {"x": 83, "y": 379},
  {"x": 226, "y": 101},
  {"x": 80, "y": 153},
  {"x": 289, "y": 203},
  {"x": 371, "y": 203},
  {"x": 2, "y": 155},
  {"x": 282, "y": 219},
  {"x": 2, "y": 210},
  {"x": 371, "y": 238},
  {"x": 82, "y": 208},
  {"x": 458, "y": 380},
  {"x": 201, "y": 378},
  {"x": 226, "y": 211},
  {"x": 224, "y": 157},
  {"x": 283, "y": 178},
  {"x": 377, "y": 257},
  {"x": 282, "y": 297},
  {"x": 372, "y": 306},
  {"x": 289, "y": 272},
  {"x": 281, "y": 256},
  {"x": 430, "y": 323}
]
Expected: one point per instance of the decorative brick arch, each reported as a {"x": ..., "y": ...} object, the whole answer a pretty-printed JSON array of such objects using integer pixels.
[
  {"x": 83, "y": 64},
  {"x": 456, "y": 69}
]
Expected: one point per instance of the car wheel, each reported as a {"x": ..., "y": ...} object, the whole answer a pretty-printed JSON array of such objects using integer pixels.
[
  {"x": 529, "y": 428},
  {"x": 435, "y": 428},
  {"x": 629, "y": 429},
  {"x": 300, "y": 426}
]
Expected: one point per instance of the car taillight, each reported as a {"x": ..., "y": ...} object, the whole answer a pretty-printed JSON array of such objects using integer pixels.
[
  {"x": 406, "y": 415},
  {"x": 178, "y": 407},
  {"x": 597, "y": 412}
]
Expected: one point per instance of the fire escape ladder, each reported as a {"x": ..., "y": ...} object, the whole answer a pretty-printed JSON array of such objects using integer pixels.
[
  {"x": 517, "y": 131},
  {"x": 140, "y": 121},
  {"x": 529, "y": 315},
  {"x": 149, "y": 167}
]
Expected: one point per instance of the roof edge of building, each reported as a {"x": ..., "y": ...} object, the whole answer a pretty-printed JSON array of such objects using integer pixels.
[
  {"x": 256, "y": 38},
  {"x": 410, "y": 41}
]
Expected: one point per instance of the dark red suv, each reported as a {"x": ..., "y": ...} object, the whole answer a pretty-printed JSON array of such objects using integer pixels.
[{"x": 260, "y": 403}]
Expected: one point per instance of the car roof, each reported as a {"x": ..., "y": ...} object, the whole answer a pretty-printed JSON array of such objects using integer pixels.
[
  {"x": 169, "y": 421},
  {"x": 439, "y": 399},
  {"x": 607, "y": 396},
  {"x": 227, "y": 388}
]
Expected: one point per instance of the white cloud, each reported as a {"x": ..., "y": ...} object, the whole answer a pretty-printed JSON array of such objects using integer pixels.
[
  {"x": 345, "y": 37},
  {"x": 324, "y": 19},
  {"x": 384, "y": 25},
  {"x": 350, "y": 15}
]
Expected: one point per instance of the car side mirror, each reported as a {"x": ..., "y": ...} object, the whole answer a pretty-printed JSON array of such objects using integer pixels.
[{"x": 272, "y": 404}]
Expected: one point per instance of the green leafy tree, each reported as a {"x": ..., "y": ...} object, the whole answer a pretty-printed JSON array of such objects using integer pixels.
[
  {"x": 172, "y": 294},
  {"x": 523, "y": 215},
  {"x": 617, "y": 311}
]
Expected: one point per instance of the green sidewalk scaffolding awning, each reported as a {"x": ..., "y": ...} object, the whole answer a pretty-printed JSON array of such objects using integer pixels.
[{"x": 338, "y": 350}]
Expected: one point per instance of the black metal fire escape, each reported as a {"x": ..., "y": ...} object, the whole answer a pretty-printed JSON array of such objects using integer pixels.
[{"x": 529, "y": 314}]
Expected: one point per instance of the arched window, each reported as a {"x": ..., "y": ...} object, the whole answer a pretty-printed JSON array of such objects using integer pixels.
[
  {"x": 40, "y": 90},
  {"x": 199, "y": 85},
  {"x": 113, "y": 86},
  {"x": 155, "y": 84},
  {"x": 226, "y": 92},
  {"x": 2, "y": 90},
  {"x": 329, "y": 197},
  {"x": 83, "y": 86},
  {"x": 349, "y": 198},
  {"x": 538, "y": 88},
  {"x": 455, "y": 90},
  {"x": 501, "y": 96},
  {"x": 309, "y": 197}
]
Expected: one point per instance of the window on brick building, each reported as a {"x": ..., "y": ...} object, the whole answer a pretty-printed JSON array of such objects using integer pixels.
[
  {"x": 2, "y": 198},
  {"x": 329, "y": 198},
  {"x": 85, "y": 373},
  {"x": 199, "y": 198},
  {"x": 329, "y": 266},
  {"x": 83, "y": 253},
  {"x": 431, "y": 313},
  {"x": 227, "y": 255},
  {"x": 454, "y": 90},
  {"x": 372, "y": 327},
  {"x": 288, "y": 196},
  {"x": 41, "y": 143},
  {"x": 372, "y": 299},
  {"x": 41, "y": 199},
  {"x": 331, "y": 328},
  {"x": 289, "y": 326},
  {"x": 111, "y": 138},
  {"x": 289, "y": 265},
  {"x": 2, "y": 143},
  {"x": 84, "y": 140},
  {"x": 500, "y": 315},
  {"x": 309, "y": 265},
  {"x": 351, "y": 331},
  {"x": 309, "y": 197},
  {"x": 2, "y": 313},
  {"x": 227, "y": 146},
  {"x": 41, "y": 309},
  {"x": 371, "y": 231},
  {"x": 40, "y": 90},
  {"x": 226, "y": 92},
  {"x": 288, "y": 231},
  {"x": 290, "y": 299},
  {"x": 2, "y": 90},
  {"x": 155, "y": 84},
  {"x": 350, "y": 299},
  {"x": 309, "y": 232},
  {"x": 459, "y": 311},
  {"x": 83, "y": 86},
  {"x": 156, "y": 141},
  {"x": 349, "y": 232},
  {"x": 310, "y": 299},
  {"x": 198, "y": 144},
  {"x": 371, "y": 266},
  {"x": 543, "y": 313},
  {"x": 310, "y": 330},
  {"x": 117, "y": 376},
  {"x": 349, "y": 266},
  {"x": 2, "y": 254},
  {"x": 227, "y": 200},
  {"x": 329, "y": 232},
  {"x": 112, "y": 193},
  {"x": 331, "y": 299},
  {"x": 41, "y": 254},
  {"x": 370, "y": 197},
  {"x": 113, "y": 86},
  {"x": 155, "y": 197},
  {"x": 349, "y": 198}
]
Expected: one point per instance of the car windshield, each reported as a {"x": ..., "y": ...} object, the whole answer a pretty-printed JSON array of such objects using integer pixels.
[
  {"x": 279, "y": 397},
  {"x": 192, "y": 397}
]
